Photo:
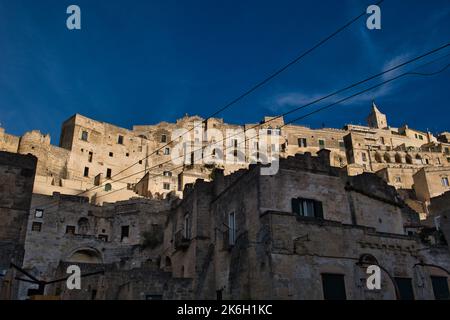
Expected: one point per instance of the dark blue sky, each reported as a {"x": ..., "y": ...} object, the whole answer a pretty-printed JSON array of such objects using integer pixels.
[{"x": 141, "y": 62}]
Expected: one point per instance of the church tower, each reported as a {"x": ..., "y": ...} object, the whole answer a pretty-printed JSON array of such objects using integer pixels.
[{"x": 376, "y": 119}]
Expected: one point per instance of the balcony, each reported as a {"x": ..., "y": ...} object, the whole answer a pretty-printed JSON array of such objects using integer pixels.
[{"x": 181, "y": 242}]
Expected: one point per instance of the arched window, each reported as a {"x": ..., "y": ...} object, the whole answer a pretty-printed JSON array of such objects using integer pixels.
[
  {"x": 398, "y": 158},
  {"x": 83, "y": 226},
  {"x": 108, "y": 187},
  {"x": 409, "y": 159},
  {"x": 387, "y": 158}
]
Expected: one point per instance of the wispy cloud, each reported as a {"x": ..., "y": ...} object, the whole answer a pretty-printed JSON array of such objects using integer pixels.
[{"x": 285, "y": 101}]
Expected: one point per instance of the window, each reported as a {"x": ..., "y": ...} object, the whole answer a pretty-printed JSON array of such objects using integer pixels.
[
  {"x": 447, "y": 150},
  {"x": 269, "y": 131},
  {"x": 341, "y": 145},
  {"x": 103, "y": 237},
  {"x": 440, "y": 288},
  {"x": 120, "y": 139},
  {"x": 140, "y": 149},
  {"x": 364, "y": 156},
  {"x": 90, "y": 156},
  {"x": 70, "y": 229},
  {"x": 405, "y": 288},
  {"x": 163, "y": 138},
  {"x": 321, "y": 144},
  {"x": 166, "y": 186},
  {"x": 108, "y": 173},
  {"x": 108, "y": 187},
  {"x": 187, "y": 227},
  {"x": 398, "y": 179},
  {"x": 140, "y": 161},
  {"x": 302, "y": 142},
  {"x": 125, "y": 232},
  {"x": 86, "y": 171},
  {"x": 420, "y": 137},
  {"x": 127, "y": 154},
  {"x": 307, "y": 208},
  {"x": 231, "y": 229},
  {"x": 38, "y": 213},
  {"x": 167, "y": 173},
  {"x": 84, "y": 135},
  {"x": 445, "y": 181},
  {"x": 448, "y": 159},
  {"x": 111, "y": 154},
  {"x": 167, "y": 151},
  {"x": 234, "y": 143},
  {"x": 333, "y": 286},
  {"x": 83, "y": 226},
  {"x": 36, "y": 226}
]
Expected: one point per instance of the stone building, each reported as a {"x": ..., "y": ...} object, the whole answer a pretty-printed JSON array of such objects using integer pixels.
[
  {"x": 68, "y": 229},
  {"x": 431, "y": 182},
  {"x": 16, "y": 185},
  {"x": 107, "y": 163},
  {"x": 307, "y": 232},
  {"x": 210, "y": 225}
]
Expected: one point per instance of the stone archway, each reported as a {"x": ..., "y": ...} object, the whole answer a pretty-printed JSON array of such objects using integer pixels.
[{"x": 85, "y": 255}]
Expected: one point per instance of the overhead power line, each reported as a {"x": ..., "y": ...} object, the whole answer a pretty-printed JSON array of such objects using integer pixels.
[
  {"x": 317, "y": 100},
  {"x": 257, "y": 85}
]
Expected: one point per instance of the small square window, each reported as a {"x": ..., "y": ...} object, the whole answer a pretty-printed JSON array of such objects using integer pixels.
[
  {"x": 111, "y": 154},
  {"x": 321, "y": 144},
  {"x": 38, "y": 213},
  {"x": 167, "y": 173},
  {"x": 36, "y": 226},
  {"x": 127, "y": 154},
  {"x": 70, "y": 229},
  {"x": 103, "y": 237},
  {"x": 84, "y": 135}
]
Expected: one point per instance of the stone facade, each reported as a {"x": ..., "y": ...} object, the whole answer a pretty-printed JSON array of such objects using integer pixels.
[
  {"x": 16, "y": 185},
  {"x": 237, "y": 237},
  {"x": 65, "y": 228},
  {"x": 107, "y": 163}
]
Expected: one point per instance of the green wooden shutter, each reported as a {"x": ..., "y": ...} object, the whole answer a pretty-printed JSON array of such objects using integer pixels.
[
  {"x": 296, "y": 206},
  {"x": 318, "y": 209}
]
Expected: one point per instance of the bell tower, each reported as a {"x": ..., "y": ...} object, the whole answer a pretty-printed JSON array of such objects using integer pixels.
[{"x": 376, "y": 119}]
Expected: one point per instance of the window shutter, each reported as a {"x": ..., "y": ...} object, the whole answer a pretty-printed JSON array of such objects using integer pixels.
[
  {"x": 318, "y": 209},
  {"x": 296, "y": 206}
]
